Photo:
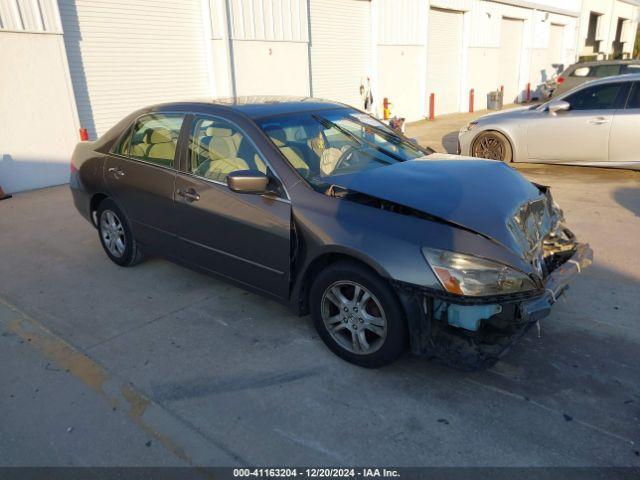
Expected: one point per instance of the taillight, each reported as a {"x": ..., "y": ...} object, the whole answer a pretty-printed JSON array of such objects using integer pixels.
[
  {"x": 84, "y": 135},
  {"x": 560, "y": 80}
]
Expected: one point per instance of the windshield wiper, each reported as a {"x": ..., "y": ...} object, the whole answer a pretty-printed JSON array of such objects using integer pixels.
[{"x": 329, "y": 124}]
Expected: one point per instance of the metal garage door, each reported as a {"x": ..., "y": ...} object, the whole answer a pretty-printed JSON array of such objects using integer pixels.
[
  {"x": 124, "y": 55},
  {"x": 509, "y": 60},
  {"x": 556, "y": 51},
  {"x": 340, "y": 49},
  {"x": 444, "y": 55}
]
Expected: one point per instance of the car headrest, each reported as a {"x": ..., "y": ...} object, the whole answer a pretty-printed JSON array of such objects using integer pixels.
[
  {"x": 158, "y": 135},
  {"x": 277, "y": 135},
  {"x": 219, "y": 148},
  {"x": 218, "y": 132}
]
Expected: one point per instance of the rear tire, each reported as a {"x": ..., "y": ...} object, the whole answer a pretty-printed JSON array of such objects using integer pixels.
[
  {"x": 358, "y": 315},
  {"x": 116, "y": 236},
  {"x": 492, "y": 145}
]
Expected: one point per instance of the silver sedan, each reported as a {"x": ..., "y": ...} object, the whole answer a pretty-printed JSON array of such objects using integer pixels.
[{"x": 597, "y": 123}]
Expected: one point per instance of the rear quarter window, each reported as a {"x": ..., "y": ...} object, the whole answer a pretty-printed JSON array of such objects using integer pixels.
[{"x": 581, "y": 72}]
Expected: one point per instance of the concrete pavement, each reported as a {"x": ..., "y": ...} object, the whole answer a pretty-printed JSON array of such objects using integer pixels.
[{"x": 219, "y": 376}]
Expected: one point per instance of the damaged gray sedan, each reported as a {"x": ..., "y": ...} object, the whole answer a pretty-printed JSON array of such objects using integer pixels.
[{"x": 386, "y": 244}]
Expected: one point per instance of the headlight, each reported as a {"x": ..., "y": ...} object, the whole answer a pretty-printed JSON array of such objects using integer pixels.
[
  {"x": 474, "y": 276},
  {"x": 470, "y": 126}
]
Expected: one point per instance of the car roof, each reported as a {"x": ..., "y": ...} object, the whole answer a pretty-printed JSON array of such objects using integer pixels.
[
  {"x": 595, "y": 63},
  {"x": 627, "y": 77},
  {"x": 255, "y": 106}
]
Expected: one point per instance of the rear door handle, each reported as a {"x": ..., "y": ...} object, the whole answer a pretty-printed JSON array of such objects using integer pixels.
[
  {"x": 190, "y": 195},
  {"x": 116, "y": 172},
  {"x": 599, "y": 120}
]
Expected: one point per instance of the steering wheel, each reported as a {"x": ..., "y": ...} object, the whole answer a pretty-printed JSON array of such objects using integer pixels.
[{"x": 348, "y": 158}]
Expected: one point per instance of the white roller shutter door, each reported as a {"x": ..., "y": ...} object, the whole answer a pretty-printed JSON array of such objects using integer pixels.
[
  {"x": 556, "y": 50},
  {"x": 127, "y": 54},
  {"x": 444, "y": 55},
  {"x": 340, "y": 49},
  {"x": 509, "y": 60}
]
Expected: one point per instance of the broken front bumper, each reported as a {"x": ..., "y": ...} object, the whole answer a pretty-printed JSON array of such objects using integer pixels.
[
  {"x": 555, "y": 284},
  {"x": 482, "y": 346}
]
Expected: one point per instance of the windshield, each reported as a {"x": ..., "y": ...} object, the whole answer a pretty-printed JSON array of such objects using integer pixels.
[{"x": 327, "y": 143}]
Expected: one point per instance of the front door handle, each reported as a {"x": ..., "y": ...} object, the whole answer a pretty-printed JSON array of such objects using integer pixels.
[
  {"x": 190, "y": 194},
  {"x": 116, "y": 172},
  {"x": 599, "y": 120}
]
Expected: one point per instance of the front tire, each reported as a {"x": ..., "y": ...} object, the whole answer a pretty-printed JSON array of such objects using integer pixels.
[
  {"x": 357, "y": 315},
  {"x": 492, "y": 145},
  {"x": 116, "y": 236}
]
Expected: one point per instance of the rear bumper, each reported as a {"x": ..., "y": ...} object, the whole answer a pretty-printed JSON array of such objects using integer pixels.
[
  {"x": 555, "y": 285},
  {"x": 82, "y": 202}
]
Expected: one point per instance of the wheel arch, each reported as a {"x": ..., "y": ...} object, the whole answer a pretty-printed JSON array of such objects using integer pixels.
[
  {"x": 302, "y": 287},
  {"x": 94, "y": 203}
]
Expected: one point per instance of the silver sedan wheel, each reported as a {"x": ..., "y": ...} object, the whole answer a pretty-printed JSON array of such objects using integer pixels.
[
  {"x": 354, "y": 317},
  {"x": 112, "y": 232},
  {"x": 489, "y": 146}
]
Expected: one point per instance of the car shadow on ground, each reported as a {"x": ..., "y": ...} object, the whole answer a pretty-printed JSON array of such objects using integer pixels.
[
  {"x": 450, "y": 142},
  {"x": 629, "y": 198}
]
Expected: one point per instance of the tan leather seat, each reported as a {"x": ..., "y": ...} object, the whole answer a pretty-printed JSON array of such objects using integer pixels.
[
  {"x": 260, "y": 164},
  {"x": 223, "y": 159},
  {"x": 219, "y": 169},
  {"x": 294, "y": 156},
  {"x": 157, "y": 145},
  {"x": 140, "y": 149},
  {"x": 227, "y": 142}
]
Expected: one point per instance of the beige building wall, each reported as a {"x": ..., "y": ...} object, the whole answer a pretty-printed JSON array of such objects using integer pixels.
[
  {"x": 597, "y": 39},
  {"x": 38, "y": 119}
]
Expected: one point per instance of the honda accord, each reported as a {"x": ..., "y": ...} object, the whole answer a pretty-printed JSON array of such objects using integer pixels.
[{"x": 388, "y": 245}]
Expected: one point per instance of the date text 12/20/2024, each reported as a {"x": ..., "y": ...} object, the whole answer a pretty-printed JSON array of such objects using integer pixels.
[{"x": 315, "y": 473}]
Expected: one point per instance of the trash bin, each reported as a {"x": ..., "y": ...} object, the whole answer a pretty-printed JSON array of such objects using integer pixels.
[{"x": 494, "y": 100}]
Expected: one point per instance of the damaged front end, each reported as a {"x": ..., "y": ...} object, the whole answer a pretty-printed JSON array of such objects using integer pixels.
[{"x": 485, "y": 307}]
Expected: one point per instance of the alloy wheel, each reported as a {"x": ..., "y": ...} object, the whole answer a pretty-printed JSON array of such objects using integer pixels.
[
  {"x": 354, "y": 317},
  {"x": 112, "y": 232},
  {"x": 489, "y": 146}
]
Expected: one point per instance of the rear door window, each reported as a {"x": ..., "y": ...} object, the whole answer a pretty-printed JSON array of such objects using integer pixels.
[
  {"x": 596, "y": 97},
  {"x": 155, "y": 137}
]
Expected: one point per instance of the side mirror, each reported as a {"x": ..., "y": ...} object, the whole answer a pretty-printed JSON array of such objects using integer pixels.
[
  {"x": 558, "y": 106},
  {"x": 248, "y": 181}
]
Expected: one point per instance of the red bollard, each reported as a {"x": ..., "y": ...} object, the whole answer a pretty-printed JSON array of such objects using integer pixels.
[
  {"x": 432, "y": 106},
  {"x": 471, "y": 100},
  {"x": 528, "y": 92}
]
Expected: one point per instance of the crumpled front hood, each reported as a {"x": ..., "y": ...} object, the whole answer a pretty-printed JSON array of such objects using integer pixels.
[{"x": 485, "y": 196}]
